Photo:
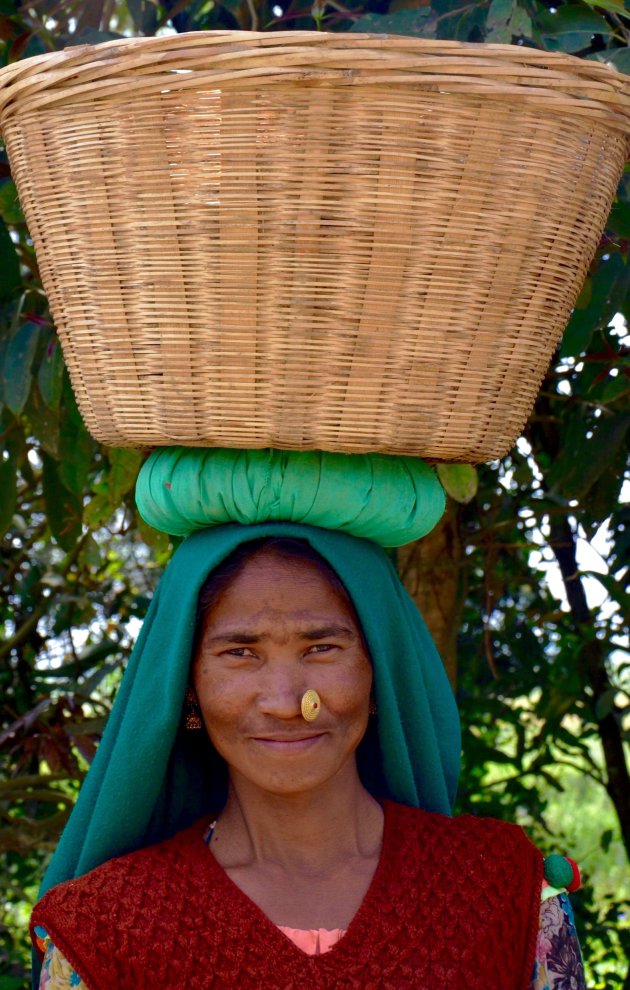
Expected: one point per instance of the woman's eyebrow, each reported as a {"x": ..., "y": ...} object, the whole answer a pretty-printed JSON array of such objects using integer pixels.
[
  {"x": 323, "y": 632},
  {"x": 233, "y": 636},
  {"x": 312, "y": 633}
]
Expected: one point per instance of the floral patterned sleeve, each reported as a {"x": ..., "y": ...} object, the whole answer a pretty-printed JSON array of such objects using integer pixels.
[
  {"x": 558, "y": 958},
  {"x": 57, "y": 973}
]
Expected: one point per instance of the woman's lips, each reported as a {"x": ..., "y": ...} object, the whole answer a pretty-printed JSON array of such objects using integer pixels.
[{"x": 296, "y": 745}]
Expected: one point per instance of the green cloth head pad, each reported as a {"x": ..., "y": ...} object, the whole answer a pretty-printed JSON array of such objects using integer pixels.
[{"x": 387, "y": 499}]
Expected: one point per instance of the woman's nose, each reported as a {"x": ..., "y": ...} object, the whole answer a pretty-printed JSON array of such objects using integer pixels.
[{"x": 282, "y": 699}]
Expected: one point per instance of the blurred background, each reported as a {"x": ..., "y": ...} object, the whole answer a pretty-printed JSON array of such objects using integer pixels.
[{"x": 524, "y": 583}]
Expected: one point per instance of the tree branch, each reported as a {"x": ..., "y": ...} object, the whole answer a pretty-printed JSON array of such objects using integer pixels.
[
  {"x": 30, "y": 623},
  {"x": 562, "y": 541}
]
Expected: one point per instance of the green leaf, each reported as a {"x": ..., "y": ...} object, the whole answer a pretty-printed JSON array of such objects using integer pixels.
[
  {"x": 615, "y": 389},
  {"x": 10, "y": 277},
  {"x": 8, "y": 489},
  {"x": 35, "y": 46},
  {"x": 92, "y": 36},
  {"x": 586, "y": 293},
  {"x": 605, "y": 703},
  {"x": 420, "y": 21},
  {"x": 156, "y": 541},
  {"x": 124, "y": 467},
  {"x": 76, "y": 447},
  {"x": 11, "y": 983},
  {"x": 619, "y": 58},
  {"x": 97, "y": 652},
  {"x": 605, "y": 839},
  {"x": 63, "y": 508},
  {"x": 619, "y": 219},
  {"x": 615, "y": 5},
  {"x": 506, "y": 20},
  {"x": 583, "y": 460},
  {"x": 100, "y": 508},
  {"x": 459, "y": 22},
  {"x": 520, "y": 23},
  {"x": 460, "y": 481},
  {"x": 44, "y": 423},
  {"x": 571, "y": 27},
  {"x": 210, "y": 7},
  {"x": 614, "y": 588},
  {"x": 609, "y": 288},
  {"x": 90, "y": 555},
  {"x": 18, "y": 362},
  {"x": 4, "y": 346},
  {"x": 50, "y": 374},
  {"x": 499, "y": 16},
  {"x": 144, "y": 15},
  {"x": 605, "y": 495},
  {"x": 111, "y": 490},
  {"x": 88, "y": 686},
  {"x": 10, "y": 209},
  {"x": 551, "y": 780},
  {"x": 87, "y": 660}
]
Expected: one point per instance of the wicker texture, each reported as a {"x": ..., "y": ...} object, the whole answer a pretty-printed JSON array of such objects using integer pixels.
[{"x": 309, "y": 240}]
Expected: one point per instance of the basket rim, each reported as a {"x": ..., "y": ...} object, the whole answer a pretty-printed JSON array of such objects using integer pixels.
[{"x": 244, "y": 58}]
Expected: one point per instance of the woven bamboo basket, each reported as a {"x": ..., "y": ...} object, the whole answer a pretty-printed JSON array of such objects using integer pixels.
[{"x": 311, "y": 240}]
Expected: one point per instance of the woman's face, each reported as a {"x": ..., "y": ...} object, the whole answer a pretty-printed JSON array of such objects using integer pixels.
[{"x": 278, "y": 629}]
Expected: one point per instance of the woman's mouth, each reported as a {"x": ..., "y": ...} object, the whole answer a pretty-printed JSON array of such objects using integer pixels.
[{"x": 292, "y": 744}]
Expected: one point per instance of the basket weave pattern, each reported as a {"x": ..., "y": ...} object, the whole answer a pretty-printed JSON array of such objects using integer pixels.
[{"x": 308, "y": 240}]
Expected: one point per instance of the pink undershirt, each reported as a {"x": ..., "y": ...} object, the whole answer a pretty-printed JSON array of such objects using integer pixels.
[{"x": 313, "y": 942}]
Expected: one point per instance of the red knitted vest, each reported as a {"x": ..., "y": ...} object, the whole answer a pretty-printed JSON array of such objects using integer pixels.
[{"x": 453, "y": 905}]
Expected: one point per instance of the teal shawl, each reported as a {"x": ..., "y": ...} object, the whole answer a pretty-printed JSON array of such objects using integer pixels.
[{"x": 149, "y": 779}]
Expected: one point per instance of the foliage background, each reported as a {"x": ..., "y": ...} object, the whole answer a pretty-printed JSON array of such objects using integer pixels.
[{"x": 540, "y": 665}]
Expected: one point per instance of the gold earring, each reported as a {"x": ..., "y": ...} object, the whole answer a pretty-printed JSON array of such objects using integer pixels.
[
  {"x": 311, "y": 705},
  {"x": 192, "y": 712}
]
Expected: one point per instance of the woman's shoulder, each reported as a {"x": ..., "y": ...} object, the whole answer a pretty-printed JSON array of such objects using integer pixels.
[
  {"x": 132, "y": 868},
  {"x": 128, "y": 895},
  {"x": 481, "y": 832}
]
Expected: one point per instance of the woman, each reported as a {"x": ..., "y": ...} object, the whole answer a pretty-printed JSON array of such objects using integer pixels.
[{"x": 299, "y": 866}]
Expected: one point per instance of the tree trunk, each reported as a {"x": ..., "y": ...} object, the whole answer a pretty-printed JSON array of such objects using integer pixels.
[
  {"x": 432, "y": 572},
  {"x": 592, "y": 659}
]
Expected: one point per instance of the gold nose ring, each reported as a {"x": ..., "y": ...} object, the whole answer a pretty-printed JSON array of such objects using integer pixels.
[{"x": 311, "y": 705}]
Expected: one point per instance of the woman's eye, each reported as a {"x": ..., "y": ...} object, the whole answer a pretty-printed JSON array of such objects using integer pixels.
[
  {"x": 240, "y": 651},
  {"x": 322, "y": 648}
]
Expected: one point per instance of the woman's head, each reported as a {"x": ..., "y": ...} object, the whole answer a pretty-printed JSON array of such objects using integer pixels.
[
  {"x": 150, "y": 777},
  {"x": 273, "y": 621}
]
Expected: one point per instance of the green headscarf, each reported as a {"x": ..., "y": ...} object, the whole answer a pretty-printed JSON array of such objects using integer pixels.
[{"x": 148, "y": 779}]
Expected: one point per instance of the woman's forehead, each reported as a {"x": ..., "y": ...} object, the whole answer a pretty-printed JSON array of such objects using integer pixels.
[
  {"x": 272, "y": 591},
  {"x": 269, "y": 582}
]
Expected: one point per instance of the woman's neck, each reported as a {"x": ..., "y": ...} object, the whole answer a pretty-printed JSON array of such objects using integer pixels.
[{"x": 308, "y": 834}]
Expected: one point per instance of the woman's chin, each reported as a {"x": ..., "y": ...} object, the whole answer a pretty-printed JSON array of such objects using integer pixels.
[{"x": 290, "y": 781}]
